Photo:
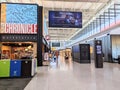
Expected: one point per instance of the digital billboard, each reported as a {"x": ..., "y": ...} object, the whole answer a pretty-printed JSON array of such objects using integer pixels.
[
  {"x": 19, "y": 18},
  {"x": 65, "y": 19}
]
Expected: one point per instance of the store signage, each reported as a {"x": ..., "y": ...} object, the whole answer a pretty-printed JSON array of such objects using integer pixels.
[
  {"x": 20, "y": 28},
  {"x": 19, "y": 18},
  {"x": 20, "y": 37}
]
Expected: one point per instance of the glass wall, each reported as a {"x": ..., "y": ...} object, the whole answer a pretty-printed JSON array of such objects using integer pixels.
[{"x": 104, "y": 21}]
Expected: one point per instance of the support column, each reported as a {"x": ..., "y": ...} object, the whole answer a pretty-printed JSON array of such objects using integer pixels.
[{"x": 39, "y": 36}]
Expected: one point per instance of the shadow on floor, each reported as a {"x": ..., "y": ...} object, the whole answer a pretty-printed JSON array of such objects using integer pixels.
[{"x": 14, "y": 83}]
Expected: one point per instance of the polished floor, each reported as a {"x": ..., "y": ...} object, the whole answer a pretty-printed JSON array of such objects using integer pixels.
[{"x": 68, "y": 75}]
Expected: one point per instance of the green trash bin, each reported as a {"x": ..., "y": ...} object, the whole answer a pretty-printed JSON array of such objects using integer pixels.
[{"x": 4, "y": 68}]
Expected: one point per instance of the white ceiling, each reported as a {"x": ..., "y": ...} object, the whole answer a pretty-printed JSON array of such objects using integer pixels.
[{"x": 89, "y": 8}]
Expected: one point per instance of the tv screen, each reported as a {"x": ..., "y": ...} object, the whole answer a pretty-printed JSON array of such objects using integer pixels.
[
  {"x": 65, "y": 19},
  {"x": 55, "y": 44}
]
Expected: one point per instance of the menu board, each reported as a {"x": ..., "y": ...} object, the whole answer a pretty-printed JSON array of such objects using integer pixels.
[{"x": 19, "y": 18}]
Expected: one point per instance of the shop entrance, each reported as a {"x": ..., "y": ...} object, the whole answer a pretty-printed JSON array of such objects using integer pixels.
[{"x": 18, "y": 50}]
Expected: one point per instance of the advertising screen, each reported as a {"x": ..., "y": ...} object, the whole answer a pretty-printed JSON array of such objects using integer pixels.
[
  {"x": 99, "y": 49},
  {"x": 65, "y": 19},
  {"x": 19, "y": 18}
]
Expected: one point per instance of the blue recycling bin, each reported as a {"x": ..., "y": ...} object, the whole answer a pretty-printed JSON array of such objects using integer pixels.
[{"x": 15, "y": 68}]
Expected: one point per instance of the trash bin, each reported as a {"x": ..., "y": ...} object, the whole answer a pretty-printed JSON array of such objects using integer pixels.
[
  {"x": 34, "y": 67},
  {"x": 4, "y": 68},
  {"x": 15, "y": 68},
  {"x": 118, "y": 59},
  {"x": 26, "y": 66}
]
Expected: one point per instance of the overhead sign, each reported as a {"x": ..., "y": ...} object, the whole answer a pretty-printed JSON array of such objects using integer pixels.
[
  {"x": 55, "y": 44},
  {"x": 18, "y": 18}
]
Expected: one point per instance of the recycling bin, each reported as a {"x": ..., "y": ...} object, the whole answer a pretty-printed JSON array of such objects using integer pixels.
[
  {"x": 15, "y": 68},
  {"x": 34, "y": 67},
  {"x": 4, "y": 68},
  {"x": 26, "y": 66}
]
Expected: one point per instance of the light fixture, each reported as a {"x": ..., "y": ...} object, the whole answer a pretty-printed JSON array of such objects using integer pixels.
[
  {"x": 26, "y": 49},
  {"x": 29, "y": 47},
  {"x": 19, "y": 44}
]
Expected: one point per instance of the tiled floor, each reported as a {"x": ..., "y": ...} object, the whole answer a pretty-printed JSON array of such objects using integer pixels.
[{"x": 68, "y": 75}]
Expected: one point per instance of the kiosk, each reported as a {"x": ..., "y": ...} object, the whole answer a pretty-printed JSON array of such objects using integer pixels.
[{"x": 98, "y": 54}]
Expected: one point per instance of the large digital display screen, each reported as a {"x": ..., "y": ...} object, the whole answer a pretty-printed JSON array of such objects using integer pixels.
[
  {"x": 65, "y": 19},
  {"x": 19, "y": 18}
]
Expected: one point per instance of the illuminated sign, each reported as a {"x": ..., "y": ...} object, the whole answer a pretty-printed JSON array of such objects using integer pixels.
[
  {"x": 21, "y": 28},
  {"x": 18, "y": 18}
]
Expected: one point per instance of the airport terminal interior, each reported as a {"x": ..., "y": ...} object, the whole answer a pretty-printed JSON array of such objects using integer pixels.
[{"x": 59, "y": 44}]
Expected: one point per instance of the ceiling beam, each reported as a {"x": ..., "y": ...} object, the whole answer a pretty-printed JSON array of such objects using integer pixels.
[
  {"x": 95, "y": 1},
  {"x": 70, "y": 9}
]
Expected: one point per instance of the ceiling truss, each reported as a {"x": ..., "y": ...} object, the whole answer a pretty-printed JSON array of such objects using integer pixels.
[{"x": 89, "y": 9}]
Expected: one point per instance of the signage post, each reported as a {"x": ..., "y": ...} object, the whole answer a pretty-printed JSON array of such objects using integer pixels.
[{"x": 98, "y": 54}]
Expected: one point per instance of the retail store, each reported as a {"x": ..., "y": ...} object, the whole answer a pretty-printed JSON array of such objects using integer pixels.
[
  {"x": 18, "y": 50},
  {"x": 20, "y": 39}
]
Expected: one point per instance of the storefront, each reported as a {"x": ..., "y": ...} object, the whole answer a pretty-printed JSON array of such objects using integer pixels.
[
  {"x": 18, "y": 50},
  {"x": 21, "y": 35},
  {"x": 21, "y": 23}
]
